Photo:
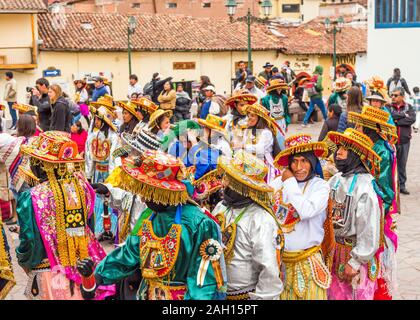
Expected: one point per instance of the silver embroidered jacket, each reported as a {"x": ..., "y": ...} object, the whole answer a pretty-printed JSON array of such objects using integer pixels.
[
  {"x": 363, "y": 221},
  {"x": 254, "y": 264}
]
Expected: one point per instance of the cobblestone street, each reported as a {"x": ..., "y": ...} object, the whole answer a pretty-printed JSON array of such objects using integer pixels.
[{"x": 408, "y": 230}]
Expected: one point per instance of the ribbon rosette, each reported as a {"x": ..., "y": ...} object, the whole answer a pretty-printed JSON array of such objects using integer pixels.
[{"x": 210, "y": 251}]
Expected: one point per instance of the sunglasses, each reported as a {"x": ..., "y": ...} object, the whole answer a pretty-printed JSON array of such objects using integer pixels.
[{"x": 395, "y": 95}]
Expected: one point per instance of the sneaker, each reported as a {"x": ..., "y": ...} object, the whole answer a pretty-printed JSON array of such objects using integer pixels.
[{"x": 404, "y": 191}]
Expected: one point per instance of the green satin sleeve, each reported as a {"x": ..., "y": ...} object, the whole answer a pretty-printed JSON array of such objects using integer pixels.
[
  {"x": 120, "y": 263},
  {"x": 385, "y": 178},
  {"x": 206, "y": 230},
  {"x": 30, "y": 251},
  {"x": 265, "y": 102},
  {"x": 144, "y": 215}
]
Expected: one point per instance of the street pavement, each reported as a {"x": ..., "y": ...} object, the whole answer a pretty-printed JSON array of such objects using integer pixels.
[{"x": 408, "y": 254}]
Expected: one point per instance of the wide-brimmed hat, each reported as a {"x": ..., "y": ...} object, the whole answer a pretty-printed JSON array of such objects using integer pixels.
[
  {"x": 156, "y": 178},
  {"x": 275, "y": 84},
  {"x": 24, "y": 108},
  {"x": 375, "y": 119},
  {"x": 240, "y": 96},
  {"x": 303, "y": 80},
  {"x": 268, "y": 65},
  {"x": 360, "y": 144},
  {"x": 106, "y": 115},
  {"x": 261, "y": 81},
  {"x": 129, "y": 107},
  {"x": 210, "y": 88},
  {"x": 376, "y": 97},
  {"x": 106, "y": 101},
  {"x": 207, "y": 185},
  {"x": 214, "y": 123},
  {"x": 376, "y": 84},
  {"x": 155, "y": 115},
  {"x": 53, "y": 146},
  {"x": 298, "y": 144},
  {"x": 262, "y": 112},
  {"x": 141, "y": 142},
  {"x": 245, "y": 174},
  {"x": 146, "y": 104},
  {"x": 341, "y": 84}
]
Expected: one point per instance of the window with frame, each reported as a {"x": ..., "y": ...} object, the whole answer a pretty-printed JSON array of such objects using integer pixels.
[
  {"x": 171, "y": 5},
  {"x": 397, "y": 13},
  {"x": 135, "y": 5},
  {"x": 288, "y": 8},
  {"x": 206, "y": 4}
]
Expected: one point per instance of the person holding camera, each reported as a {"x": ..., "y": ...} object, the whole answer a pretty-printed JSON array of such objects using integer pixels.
[{"x": 40, "y": 99}]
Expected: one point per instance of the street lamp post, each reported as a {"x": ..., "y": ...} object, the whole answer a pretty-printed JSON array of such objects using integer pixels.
[
  {"x": 334, "y": 27},
  {"x": 132, "y": 24},
  {"x": 249, "y": 18}
]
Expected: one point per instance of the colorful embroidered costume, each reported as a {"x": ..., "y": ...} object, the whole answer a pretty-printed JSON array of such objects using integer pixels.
[
  {"x": 177, "y": 248},
  {"x": 300, "y": 207},
  {"x": 53, "y": 220},
  {"x": 356, "y": 216},
  {"x": 7, "y": 279},
  {"x": 251, "y": 235}
]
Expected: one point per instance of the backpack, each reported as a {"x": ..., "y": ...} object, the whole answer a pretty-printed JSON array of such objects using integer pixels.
[
  {"x": 310, "y": 87},
  {"x": 148, "y": 89}
]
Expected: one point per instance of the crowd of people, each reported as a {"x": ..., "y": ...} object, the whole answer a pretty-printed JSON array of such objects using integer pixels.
[{"x": 206, "y": 197}]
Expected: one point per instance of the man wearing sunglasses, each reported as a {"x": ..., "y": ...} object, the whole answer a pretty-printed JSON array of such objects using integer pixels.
[{"x": 404, "y": 116}]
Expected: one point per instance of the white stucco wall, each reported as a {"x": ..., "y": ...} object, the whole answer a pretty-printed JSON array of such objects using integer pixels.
[
  {"x": 393, "y": 47},
  {"x": 361, "y": 67}
]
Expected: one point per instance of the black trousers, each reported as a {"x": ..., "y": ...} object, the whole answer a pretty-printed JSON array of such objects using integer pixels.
[{"x": 402, "y": 157}]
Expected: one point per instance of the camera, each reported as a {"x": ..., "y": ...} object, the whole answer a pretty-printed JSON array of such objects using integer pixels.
[{"x": 29, "y": 89}]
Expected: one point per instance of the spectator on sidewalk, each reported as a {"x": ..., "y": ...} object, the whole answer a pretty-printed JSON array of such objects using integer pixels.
[
  {"x": 41, "y": 100},
  {"x": 10, "y": 96},
  {"x": 404, "y": 116},
  {"x": 79, "y": 135},
  {"x": 397, "y": 82},
  {"x": 314, "y": 90},
  {"x": 416, "y": 105},
  {"x": 167, "y": 97},
  {"x": 100, "y": 89},
  {"x": 241, "y": 74},
  {"x": 61, "y": 114},
  {"x": 267, "y": 73},
  {"x": 182, "y": 105},
  {"x": 331, "y": 124},
  {"x": 209, "y": 106},
  {"x": 354, "y": 104},
  {"x": 134, "y": 87}
]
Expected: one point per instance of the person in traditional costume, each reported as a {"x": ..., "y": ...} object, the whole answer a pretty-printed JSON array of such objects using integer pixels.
[
  {"x": 277, "y": 103},
  {"x": 31, "y": 111},
  {"x": 101, "y": 143},
  {"x": 7, "y": 278},
  {"x": 159, "y": 123},
  {"x": 375, "y": 124},
  {"x": 356, "y": 217},
  {"x": 145, "y": 108},
  {"x": 377, "y": 101},
  {"x": 300, "y": 205},
  {"x": 236, "y": 118},
  {"x": 53, "y": 217},
  {"x": 339, "y": 95},
  {"x": 130, "y": 117},
  {"x": 177, "y": 247},
  {"x": 106, "y": 101},
  {"x": 259, "y": 137},
  {"x": 251, "y": 235}
]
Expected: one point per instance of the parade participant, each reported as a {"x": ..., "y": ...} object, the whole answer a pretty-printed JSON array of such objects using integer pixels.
[
  {"x": 277, "y": 103},
  {"x": 100, "y": 145},
  {"x": 130, "y": 116},
  {"x": 32, "y": 111},
  {"x": 214, "y": 134},
  {"x": 261, "y": 83},
  {"x": 340, "y": 87},
  {"x": 81, "y": 97},
  {"x": 145, "y": 108},
  {"x": 7, "y": 278},
  {"x": 374, "y": 123},
  {"x": 107, "y": 101},
  {"x": 377, "y": 86},
  {"x": 53, "y": 217},
  {"x": 376, "y": 100},
  {"x": 159, "y": 122},
  {"x": 259, "y": 137},
  {"x": 252, "y": 238},
  {"x": 300, "y": 203},
  {"x": 356, "y": 217},
  {"x": 177, "y": 247},
  {"x": 236, "y": 118}
]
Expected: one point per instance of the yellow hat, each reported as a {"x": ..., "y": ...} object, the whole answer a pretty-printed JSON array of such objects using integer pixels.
[
  {"x": 239, "y": 96},
  {"x": 130, "y": 107},
  {"x": 146, "y": 104},
  {"x": 375, "y": 119},
  {"x": 214, "y": 123},
  {"x": 106, "y": 115},
  {"x": 341, "y": 84},
  {"x": 155, "y": 115},
  {"x": 106, "y": 101},
  {"x": 360, "y": 144},
  {"x": 24, "y": 108},
  {"x": 262, "y": 112},
  {"x": 277, "y": 84}
]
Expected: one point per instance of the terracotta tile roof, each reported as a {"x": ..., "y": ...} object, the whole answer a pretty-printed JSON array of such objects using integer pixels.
[
  {"x": 63, "y": 32},
  {"x": 23, "y": 5},
  {"x": 311, "y": 38}
]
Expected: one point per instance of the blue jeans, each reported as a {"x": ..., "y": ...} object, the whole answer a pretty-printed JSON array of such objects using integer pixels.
[
  {"x": 320, "y": 103},
  {"x": 12, "y": 113}
]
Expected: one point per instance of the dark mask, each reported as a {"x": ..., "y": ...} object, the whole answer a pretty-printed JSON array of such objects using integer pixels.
[
  {"x": 233, "y": 199},
  {"x": 351, "y": 165}
]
